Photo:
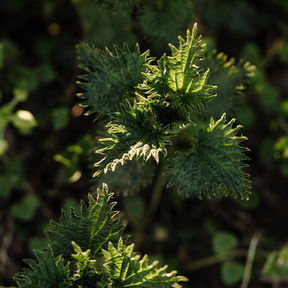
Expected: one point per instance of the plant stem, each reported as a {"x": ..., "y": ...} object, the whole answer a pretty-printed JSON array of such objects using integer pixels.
[
  {"x": 215, "y": 259},
  {"x": 156, "y": 195},
  {"x": 250, "y": 258},
  {"x": 153, "y": 205}
]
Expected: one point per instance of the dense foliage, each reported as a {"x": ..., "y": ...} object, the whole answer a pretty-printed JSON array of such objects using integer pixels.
[{"x": 164, "y": 119}]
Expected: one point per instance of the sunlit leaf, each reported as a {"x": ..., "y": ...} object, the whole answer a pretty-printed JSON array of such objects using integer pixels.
[{"x": 127, "y": 270}]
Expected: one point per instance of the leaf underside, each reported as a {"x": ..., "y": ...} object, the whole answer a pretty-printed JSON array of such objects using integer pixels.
[
  {"x": 214, "y": 164},
  {"x": 133, "y": 136},
  {"x": 92, "y": 229},
  {"x": 128, "y": 178},
  {"x": 126, "y": 270},
  {"x": 111, "y": 78}
]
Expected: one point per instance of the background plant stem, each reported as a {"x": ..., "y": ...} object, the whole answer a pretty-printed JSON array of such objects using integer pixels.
[{"x": 250, "y": 258}]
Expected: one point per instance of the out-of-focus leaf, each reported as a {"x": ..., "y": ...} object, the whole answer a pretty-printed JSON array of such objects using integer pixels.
[
  {"x": 20, "y": 94},
  {"x": 229, "y": 79},
  {"x": 60, "y": 118},
  {"x": 231, "y": 272},
  {"x": 9, "y": 50},
  {"x": 3, "y": 146},
  {"x": 25, "y": 209},
  {"x": 223, "y": 242},
  {"x": 161, "y": 24}
]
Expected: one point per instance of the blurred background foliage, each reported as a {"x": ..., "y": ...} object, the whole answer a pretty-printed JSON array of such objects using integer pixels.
[{"x": 47, "y": 144}]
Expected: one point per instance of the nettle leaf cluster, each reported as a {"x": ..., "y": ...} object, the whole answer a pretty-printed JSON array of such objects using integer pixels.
[
  {"x": 147, "y": 103},
  {"x": 78, "y": 241}
]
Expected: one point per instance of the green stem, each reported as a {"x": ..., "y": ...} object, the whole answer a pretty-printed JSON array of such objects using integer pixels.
[
  {"x": 141, "y": 224},
  {"x": 157, "y": 192}
]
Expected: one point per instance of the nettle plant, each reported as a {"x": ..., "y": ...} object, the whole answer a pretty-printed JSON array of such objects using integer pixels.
[{"x": 146, "y": 104}]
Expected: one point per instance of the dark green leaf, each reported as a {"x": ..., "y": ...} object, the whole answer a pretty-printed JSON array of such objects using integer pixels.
[
  {"x": 92, "y": 229},
  {"x": 223, "y": 241},
  {"x": 111, "y": 78},
  {"x": 229, "y": 79},
  {"x": 123, "y": 5},
  {"x": 161, "y": 24},
  {"x": 232, "y": 272},
  {"x": 25, "y": 209},
  {"x": 48, "y": 272},
  {"x": 214, "y": 164}
]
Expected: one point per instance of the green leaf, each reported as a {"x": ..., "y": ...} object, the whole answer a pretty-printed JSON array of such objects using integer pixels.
[
  {"x": 276, "y": 265},
  {"x": 229, "y": 79},
  {"x": 20, "y": 94},
  {"x": 214, "y": 164},
  {"x": 4, "y": 145},
  {"x": 223, "y": 242},
  {"x": 231, "y": 272},
  {"x": 48, "y": 272},
  {"x": 85, "y": 274},
  {"x": 177, "y": 81},
  {"x": 133, "y": 135},
  {"x": 271, "y": 268},
  {"x": 92, "y": 229},
  {"x": 161, "y": 24},
  {"x": 60, "y": 118},
  {"x": 9, "y": 49},
  {"x": 25, "y": 209},
  {"x": 110, "y": 78},
  {"x": 125, "y": 270},
  {"x": 123, "y": 5}
]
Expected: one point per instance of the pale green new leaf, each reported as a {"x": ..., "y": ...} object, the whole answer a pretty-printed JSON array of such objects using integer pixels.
[
  {"x": 126, "y": 270},
  {"x": 133, "y": 135},
  {"x": 92, "y": 229},
  {"x": 177, "y": 80},
  {"x": 214, "y": 164},
  {"x": 48, "y": 272},
  {"x": 86, "y": 274},
  {"x": 111, "y": 78},
  {"x": 229, "y": 79}
]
